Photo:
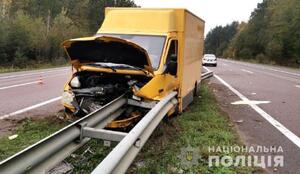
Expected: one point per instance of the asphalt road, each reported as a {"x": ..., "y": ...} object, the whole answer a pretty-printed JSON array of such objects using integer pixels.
[
  {"x": 30, "y": 93},
  {"x": 270, "y": 112}
]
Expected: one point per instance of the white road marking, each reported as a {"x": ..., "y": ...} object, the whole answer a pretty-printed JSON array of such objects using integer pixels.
[
  {"x": 208, "y": 70},
  {"x": 290, "y": 73},
  {"x": 297, "y": 86},
  {"x": 253, "y": 93},
  {"x": 247, "y": 71},
  {"x": 291, "y": 79},
  {"x": 244, "y": 102},
  {"x": 10, "y": 82},
  {"x": 30, "y": 108},
  {"x": 281, "y": 128},
  {"x": 261, "y": 70},
  {"x": 28, "y": 74},
  {"x": 18, "y": 85},
  {"x": 261, "y": 67}
]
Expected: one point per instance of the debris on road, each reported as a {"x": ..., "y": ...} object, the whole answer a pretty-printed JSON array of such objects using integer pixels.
[
  {"x": 62, "y": 168},
  {"x": 13, "y": 137},
  {"x": 239, "y": 121}
]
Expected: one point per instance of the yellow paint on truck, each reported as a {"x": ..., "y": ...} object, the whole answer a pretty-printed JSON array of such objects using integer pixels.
[
  {"x": 176, "y": 24},
  {"x": 179, "y": 66}
]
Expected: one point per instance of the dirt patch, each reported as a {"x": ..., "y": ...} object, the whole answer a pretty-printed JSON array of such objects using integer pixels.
[
  {"x": 243, "y": 119},
  {"x": 224, "y": 98},
  {"x": 8, "y": 126},
  {"x": 160, "y": 138}
]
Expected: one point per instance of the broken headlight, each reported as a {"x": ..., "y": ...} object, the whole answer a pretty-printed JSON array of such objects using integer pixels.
[
  {"x": 67, "y": 98},
  {"x": 75, "y": 83}
]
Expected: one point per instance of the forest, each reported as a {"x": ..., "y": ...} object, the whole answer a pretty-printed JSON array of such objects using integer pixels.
[
  {"x": 31, "y": 31},
  {"x": 271, "y": 35}
]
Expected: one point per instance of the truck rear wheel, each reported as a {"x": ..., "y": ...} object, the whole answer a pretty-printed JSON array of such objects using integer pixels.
[{"x": 196, "y": 90}]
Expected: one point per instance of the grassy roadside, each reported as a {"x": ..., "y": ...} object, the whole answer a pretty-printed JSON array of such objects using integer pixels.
[
  {"x": 201, "y": 126},
  {"x": 29, "y": 132},
  {"x": 31, "y": 67}
]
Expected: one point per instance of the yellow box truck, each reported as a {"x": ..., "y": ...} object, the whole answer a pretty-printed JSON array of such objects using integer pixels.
[{"x": 142, "y": 53}]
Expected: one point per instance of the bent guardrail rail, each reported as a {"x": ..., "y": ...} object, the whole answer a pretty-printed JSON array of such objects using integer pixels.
[
  {"x": 207, "y": 75},
  {"x": 45, "y": 154},
  {"x": 120, "y": 158}
]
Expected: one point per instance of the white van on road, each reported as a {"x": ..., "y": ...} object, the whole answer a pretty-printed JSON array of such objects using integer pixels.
[{"x": 209, "y": 59}]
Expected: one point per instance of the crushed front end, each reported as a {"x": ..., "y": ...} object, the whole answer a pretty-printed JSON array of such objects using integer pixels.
[{"x": 107, "y": 68}]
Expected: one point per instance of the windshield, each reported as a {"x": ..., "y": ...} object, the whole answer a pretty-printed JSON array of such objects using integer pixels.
[
  {"x": 152, "y": 44},
  {"x": 209, "y": 56}
]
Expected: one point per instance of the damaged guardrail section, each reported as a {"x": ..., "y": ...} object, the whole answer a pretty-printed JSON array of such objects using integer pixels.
[
  {"x": 45, "y": 154},
  {"x": 124, "y": 153},
  {"x": 207, "y": 75}
]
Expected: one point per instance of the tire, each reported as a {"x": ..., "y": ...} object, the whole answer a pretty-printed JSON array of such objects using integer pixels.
[{"x": 195, "y": 93}]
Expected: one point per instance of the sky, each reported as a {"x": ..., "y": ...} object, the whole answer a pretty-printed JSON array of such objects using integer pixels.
[{"x": 214, "y": 12}]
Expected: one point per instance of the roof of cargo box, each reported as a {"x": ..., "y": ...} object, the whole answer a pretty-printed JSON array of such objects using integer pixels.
[{"x": 143, "y": 20}]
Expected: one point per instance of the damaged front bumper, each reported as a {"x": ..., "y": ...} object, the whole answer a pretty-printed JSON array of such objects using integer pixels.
[{"x": 108, "y": 67}]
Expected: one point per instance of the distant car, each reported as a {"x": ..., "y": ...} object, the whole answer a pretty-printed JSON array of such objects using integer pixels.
[{"x": 209, "y": 59}]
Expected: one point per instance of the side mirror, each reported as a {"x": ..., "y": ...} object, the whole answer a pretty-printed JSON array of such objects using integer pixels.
[
  {"x": 171, "y": 67},
  {"x": 173, "y": 57}
]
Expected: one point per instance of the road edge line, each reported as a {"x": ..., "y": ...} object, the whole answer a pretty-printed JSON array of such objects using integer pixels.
[
  {"x": 18, "y": 85},
  {"x": 280, "y": 127},
  {"x": 29, "y": 108},
  {"x": 33, "y": 73}
]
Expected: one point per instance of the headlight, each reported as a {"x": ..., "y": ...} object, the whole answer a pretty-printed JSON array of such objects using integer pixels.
[
  {"x": 67, "y": 98},
  {"x": 75, "y": 83}
]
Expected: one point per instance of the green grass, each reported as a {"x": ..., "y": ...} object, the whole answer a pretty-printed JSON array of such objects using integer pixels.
[
  {"x": 201, "y": 126},
  {"x": 29, "y": 132},
  {"x": 31, "y": 67},
  {"x": 89, "y": 156}
]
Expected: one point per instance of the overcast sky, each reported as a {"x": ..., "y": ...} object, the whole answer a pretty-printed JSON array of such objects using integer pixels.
[{"x": 214, "y": 12}]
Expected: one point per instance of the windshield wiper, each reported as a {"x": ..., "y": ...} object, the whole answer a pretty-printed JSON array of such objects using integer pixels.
[
  {"x": 102, "y": 65},
  {"x": 140, "y": 69},
  {"x": 131, "y": 67},
  {"x": 114, "y": 66}
]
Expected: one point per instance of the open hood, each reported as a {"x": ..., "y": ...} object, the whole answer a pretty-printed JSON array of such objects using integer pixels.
[{"x": 104, "y": 49}]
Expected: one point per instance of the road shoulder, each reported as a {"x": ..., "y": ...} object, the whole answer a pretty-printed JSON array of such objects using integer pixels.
[{"x": 254, "y": 130}]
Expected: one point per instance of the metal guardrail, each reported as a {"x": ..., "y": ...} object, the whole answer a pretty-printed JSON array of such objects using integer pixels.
[
  {"x": 118, "y": 160},
  {"x": 44, "y": 155},
  {"x": 207, "y": 75}
]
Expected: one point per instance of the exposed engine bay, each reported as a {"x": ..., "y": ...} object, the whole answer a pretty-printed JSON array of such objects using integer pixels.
[
  {"x": 109, "y": 67},
  {"x": 92, "y": 90}
]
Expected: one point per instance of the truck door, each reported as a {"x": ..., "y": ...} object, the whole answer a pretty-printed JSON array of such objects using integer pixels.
[{"x": 172, "y": 58}]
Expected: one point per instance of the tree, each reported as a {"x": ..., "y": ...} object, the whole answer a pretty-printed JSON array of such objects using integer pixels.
[
  {"x": 271, "y": 35},
  {"x": 32, "y": 30},
  {"x": 217, "y": 39}
]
